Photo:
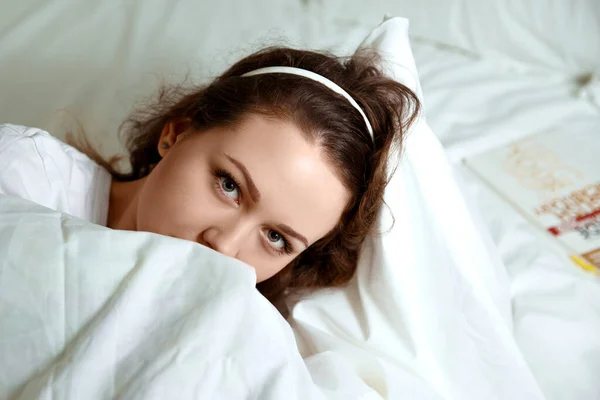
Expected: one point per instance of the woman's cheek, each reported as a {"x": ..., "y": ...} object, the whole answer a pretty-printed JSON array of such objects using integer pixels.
[{"x": 161, "y": 200}]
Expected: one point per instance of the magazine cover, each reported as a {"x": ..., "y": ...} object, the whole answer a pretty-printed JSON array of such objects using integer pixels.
[{"x": 554, "y": 179}]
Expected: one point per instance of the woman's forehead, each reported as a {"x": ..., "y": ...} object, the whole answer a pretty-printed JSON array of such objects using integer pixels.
[{"x": 295, "y": 182}]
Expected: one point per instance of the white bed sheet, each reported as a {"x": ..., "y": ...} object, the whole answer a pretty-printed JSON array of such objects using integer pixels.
[{"x": 474, "y": 104}]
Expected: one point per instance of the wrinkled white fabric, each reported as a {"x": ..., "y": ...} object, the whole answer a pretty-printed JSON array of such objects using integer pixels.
[
  {"x": 473, "y": 105},
  {"x": 553, "y": 36},
  {"x": 35, "y": 166},
  {"x": 91, "y": 313}
]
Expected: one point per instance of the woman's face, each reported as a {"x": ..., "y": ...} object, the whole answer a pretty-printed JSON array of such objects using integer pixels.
[{"x": 258, "y": 192}]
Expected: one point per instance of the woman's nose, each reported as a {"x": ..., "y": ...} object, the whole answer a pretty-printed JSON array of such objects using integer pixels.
[{"x": 225, "y": 240}]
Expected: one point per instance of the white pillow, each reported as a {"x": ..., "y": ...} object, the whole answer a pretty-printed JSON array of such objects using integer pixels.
[{"x": 428, "y": 313}]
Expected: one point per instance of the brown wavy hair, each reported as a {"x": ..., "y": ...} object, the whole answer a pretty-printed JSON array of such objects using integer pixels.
[{"x": 327, "y": 120}]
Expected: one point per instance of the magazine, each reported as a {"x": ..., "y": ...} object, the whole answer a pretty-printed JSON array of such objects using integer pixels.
[{"x": 553, "y": 178}]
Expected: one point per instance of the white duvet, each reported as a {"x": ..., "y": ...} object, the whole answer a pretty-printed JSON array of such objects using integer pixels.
[{"x": 90, "y": 313}]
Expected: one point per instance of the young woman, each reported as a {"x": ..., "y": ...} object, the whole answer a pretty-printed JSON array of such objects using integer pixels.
[{"x": 280, "y": 162}]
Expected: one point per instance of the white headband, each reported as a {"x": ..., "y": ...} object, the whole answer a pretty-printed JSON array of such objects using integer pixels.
[{"x": 315, "y": 77}]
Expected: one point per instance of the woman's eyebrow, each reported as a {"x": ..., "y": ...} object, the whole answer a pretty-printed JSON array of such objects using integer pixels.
[
  {"x": 254, "y": 192},
  {"x": 289, "y": 231},
  {"x": 255, "y": 195}
]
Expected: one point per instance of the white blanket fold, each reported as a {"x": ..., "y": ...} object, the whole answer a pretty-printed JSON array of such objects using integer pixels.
[{"x": 138, "y": 315}]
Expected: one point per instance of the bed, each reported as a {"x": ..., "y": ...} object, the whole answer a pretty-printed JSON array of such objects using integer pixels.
[{"x": 534, "y": 317}]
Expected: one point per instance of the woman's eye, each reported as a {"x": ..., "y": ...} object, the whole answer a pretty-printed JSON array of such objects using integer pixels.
[
  {"x": 275, "y": 238},
  {"x": 229, "y": 187},
  {"x": 278, "y": 243}
]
